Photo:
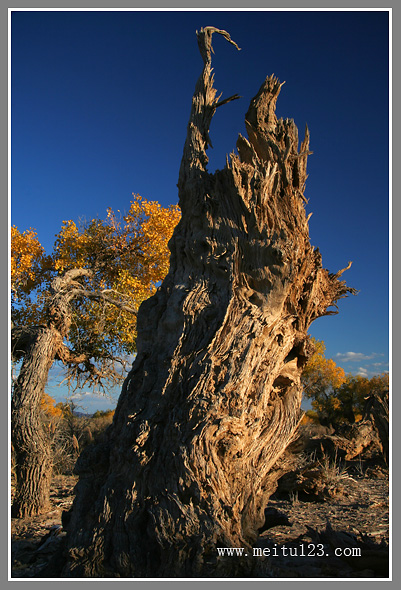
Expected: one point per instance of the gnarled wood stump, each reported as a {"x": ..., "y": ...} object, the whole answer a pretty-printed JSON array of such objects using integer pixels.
[
  {"x": 377, "y": 411},
  {"x": 214, "y": 395}
]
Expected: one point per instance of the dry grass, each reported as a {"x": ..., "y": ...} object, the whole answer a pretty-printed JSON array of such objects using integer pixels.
[{"x": 333, "y": 471}]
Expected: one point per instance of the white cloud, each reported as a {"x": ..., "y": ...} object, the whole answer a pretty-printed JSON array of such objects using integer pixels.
[
  {"x": 367, "y": 371},
  {"x": 349, "y": 357},
  {"x": 90, "y": 401},
  {"x": 84, "y": 393},
  {"x": 362, "y": 372},
  {"x": 92, "y": 395}
]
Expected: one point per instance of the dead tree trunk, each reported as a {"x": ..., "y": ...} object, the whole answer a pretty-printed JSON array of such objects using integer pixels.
[
  {"x": 214, "y": 395},
  {"x": 377, "y": 411}
]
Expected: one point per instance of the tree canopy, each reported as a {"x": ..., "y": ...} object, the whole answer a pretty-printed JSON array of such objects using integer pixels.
[
  {"x": 337, "y": 397},
  {"x": 321, "y": 375},
  {"x": 117, "y": 262}
]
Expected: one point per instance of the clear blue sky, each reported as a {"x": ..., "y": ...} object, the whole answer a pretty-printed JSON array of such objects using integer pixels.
[{"x": 100, "y": 105}]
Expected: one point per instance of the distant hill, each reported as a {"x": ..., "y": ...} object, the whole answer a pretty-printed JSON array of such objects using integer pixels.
[{"x": 81, "y": 414}]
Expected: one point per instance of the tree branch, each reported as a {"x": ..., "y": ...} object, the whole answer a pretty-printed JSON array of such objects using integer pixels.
[
  {"x": 68, "y": 357},
  {"x": 234, "y": 97},
  {"x": 102, "y": 296},
  {"x": 205, "y": 42},
  {"x": 83, "y": 371}
]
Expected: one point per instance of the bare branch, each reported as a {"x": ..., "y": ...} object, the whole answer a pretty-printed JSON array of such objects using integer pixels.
[
  {"x": 205, "y": 41},
  {"x": 234, "y": 97}
]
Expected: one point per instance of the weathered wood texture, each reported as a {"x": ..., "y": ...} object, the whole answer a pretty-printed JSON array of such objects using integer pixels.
[
  {"x": 38, "y": 347},
  {"x": 377, "y": 410},
  {"x": 214, "y": 395},
  {"x": 31, "y": 443}
]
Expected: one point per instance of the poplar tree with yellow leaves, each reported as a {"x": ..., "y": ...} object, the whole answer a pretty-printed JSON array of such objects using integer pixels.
[
  {"x": 337, "y": 397},
  {"x": 77, "y": 306},
  {"x": 321, "y": 377}
]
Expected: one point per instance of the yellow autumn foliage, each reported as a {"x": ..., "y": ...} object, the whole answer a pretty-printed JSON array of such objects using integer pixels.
[
  {"x": 26, "y": 256},
  {"x": 337, "y": 397},
  {"x": 128, "y": 256},
  {"x": 49, "y": 407},
  {"x": 131, "y": 255},
  {"x": 321, "y": 374}
]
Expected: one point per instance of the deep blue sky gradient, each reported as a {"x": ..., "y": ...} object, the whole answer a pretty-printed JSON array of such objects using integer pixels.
[{"x": 100, "y": 104}]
